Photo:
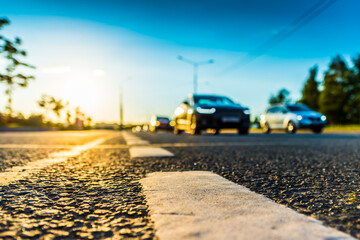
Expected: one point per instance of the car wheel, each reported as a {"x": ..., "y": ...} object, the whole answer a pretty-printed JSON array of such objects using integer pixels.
[
  {"x": 266, "y": 128},
  {"x": 317, "y": 130},
  {"x": 291, "y": 128},
  {"x": 194, "y": 127},
  {"x": 243, "y": 130},
  {"x": 177, "y": 130}
]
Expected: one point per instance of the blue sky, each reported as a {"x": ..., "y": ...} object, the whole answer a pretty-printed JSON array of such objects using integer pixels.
[{"x": 85, "y": 50}]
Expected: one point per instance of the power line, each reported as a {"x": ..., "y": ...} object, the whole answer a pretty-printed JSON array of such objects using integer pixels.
[
  {"x": 293, "y": 27},
  {"x": 298, "y": 23}
]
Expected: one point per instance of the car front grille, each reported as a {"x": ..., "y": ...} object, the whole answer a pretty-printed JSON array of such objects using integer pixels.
[
  {"x": 315, "y": 119},
  {"x": 228, "y": 113}
]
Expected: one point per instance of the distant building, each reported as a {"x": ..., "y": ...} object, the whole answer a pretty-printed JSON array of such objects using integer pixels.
[{"x": 79, "y": 123}]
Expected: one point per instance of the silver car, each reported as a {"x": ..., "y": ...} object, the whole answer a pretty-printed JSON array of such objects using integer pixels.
[{"x": 292, "y": 117}]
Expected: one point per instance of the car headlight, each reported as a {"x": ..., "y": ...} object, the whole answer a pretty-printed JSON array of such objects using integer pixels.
[
  {"x": 153, "y": 122},
  {"x": 247, "y": 111},
  {"x": 299, "y": 117},
  {"x": 205, "y": 110},
  {"x": 323, "y": 118},
  {"x": 178, "y": 111}
]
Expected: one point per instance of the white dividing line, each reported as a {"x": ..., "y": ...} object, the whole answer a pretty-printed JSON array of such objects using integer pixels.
[
  {"x": 32, "y": 146},
  {"x": 203, "y": 205},
  {"x": 133, "y": 140},
  {"x": 111, "y": 146},
  {"x": 140, "y": 142},
  {"x": 138, "y": 151},
  {"x": 17, "y": 173}
]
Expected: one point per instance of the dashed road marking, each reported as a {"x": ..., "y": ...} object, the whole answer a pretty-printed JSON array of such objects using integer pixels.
[
  {"x": 20, "y": 172},
  {"x": 133, "y": 140},
  {"x": 32, "y": 146},
  {"x": 203, "y": 205},
  {"x": 140, "y": 152},
  {"x": 146, "y": 151}
]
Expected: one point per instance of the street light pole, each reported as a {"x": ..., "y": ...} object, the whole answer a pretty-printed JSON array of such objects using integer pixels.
[
  {"x": 196, "y": 67},
  {"x": 195, "y": 77},
  {"x": 121, "y": 108}
]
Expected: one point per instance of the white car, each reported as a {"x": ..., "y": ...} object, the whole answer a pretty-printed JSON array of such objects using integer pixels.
[{"x": 292, "y": 117}]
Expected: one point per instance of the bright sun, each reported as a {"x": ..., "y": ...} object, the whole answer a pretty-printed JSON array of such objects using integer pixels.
[{"x": 83, "y": 93}]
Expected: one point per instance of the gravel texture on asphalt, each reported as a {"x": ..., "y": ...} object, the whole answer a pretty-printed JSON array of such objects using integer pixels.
[
  {"x": 317, "y": 139},
  {"x": 51, "y": 137},
  {"x": 94, "y": 196},
  {"x": 19, "y": 157},
  {"x": 97, "y": 195},
  {"x": 116, "y": 140}
]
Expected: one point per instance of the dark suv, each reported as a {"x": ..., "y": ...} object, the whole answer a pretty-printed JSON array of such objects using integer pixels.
[{"x": 200, "y": 112}]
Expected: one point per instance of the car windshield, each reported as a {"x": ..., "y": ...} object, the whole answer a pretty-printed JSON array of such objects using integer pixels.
[
  {"x": 212, "y": 100},
  {"x": 298, "y": 108},
  {"x": 162, "y": 118}
]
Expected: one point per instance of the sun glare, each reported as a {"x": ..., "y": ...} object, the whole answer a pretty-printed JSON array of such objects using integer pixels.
[{"x": 83, "y": 93}]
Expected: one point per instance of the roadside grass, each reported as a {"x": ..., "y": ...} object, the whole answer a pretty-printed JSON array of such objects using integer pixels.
[{"x": 350, "y": 127}]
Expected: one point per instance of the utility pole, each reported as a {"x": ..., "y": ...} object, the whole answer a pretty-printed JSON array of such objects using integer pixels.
[
  {"x": 196, "y": 67},
  {"x": 121, "y": 108}
]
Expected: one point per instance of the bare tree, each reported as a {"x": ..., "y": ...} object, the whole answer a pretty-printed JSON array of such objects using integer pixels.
[
  {"x": 45, "y": 103},
  {"x": 58, "y": 106},
  {"x": 49, "y": 103}
]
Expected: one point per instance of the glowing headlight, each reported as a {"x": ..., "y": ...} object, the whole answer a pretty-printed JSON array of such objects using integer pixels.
[
  {"x": 178, "y": 111},
  {"x": 172, "y": 123},
  {"x": 247, "y": 111},
  {"x": 153, "y": 122},
  {"x": 323, "y": 118},
  {"x": 205, "y": 111},
  {"x": 299, "y": 117},
  {"x": 157, "y": 123},
  {"x": 190, "y": 111}
]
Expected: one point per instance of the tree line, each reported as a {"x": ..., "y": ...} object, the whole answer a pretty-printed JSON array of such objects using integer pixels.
[{"x": 336, "y": 95}]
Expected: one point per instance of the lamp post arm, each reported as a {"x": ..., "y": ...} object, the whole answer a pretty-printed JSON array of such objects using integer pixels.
[
  {"x": 205, "y": 62},
  {"x": 181, "y": 58},
  {"x": 195, "y": 65}
]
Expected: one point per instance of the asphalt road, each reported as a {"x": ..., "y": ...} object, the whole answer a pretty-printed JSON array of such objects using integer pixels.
[{"x": 97, "y": 194}]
